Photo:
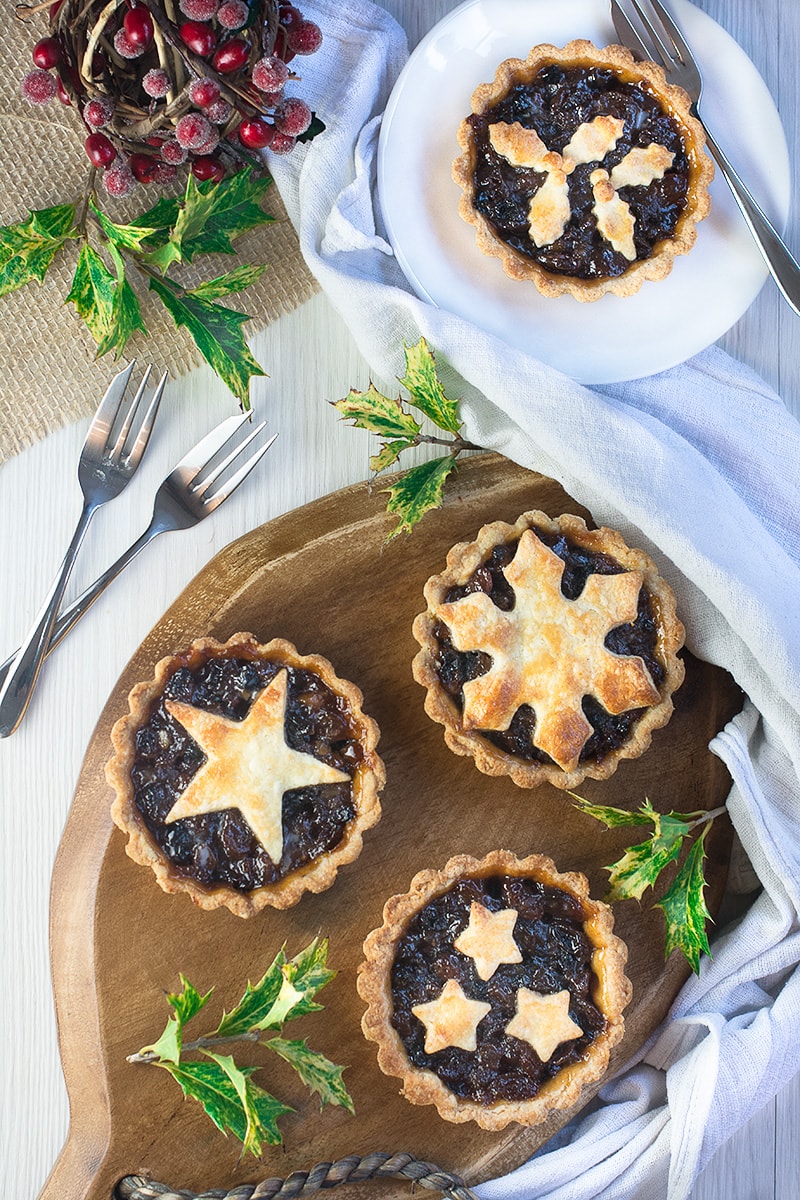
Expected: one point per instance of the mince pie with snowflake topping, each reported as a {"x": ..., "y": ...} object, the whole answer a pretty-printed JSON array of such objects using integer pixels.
[
  {"x": 495, "y": 989},
  {"x": 583, "y": 170},
  {"x": 245, "y": 774},
  {"x": 549, "y": 650}
]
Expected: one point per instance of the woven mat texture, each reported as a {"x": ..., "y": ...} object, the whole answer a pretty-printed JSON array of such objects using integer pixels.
[{"x": 48, "y": 372}]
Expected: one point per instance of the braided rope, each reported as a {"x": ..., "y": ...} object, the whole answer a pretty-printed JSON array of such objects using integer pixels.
[{"x": 352, "y": 1169}]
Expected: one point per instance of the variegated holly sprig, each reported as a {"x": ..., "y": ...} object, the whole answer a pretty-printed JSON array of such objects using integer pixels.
[
  {"x": 420, "y": 488},
  {"x": 683, "y": 903},
  {"x": 226, "y": 1090}
]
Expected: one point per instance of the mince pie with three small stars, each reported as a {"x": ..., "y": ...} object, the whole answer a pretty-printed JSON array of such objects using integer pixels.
[
  {"x": 495, "y": 989},
  {"x": 549, "y": 650},
  {"x": 245, "y": 774},
  {"x": 582, "y": 170}
]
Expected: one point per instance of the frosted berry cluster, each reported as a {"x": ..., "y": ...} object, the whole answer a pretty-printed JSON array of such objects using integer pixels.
[{"x": 207, "y": 85}]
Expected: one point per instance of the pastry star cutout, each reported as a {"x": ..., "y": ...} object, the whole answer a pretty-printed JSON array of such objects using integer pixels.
[
  {"x": 488, "y": 939},
  {"x": 548, "y": 651},
  {"x": 452, "y": 1019},
  {"x": 249, "y": 765},
  {"x": 543, "y": 1021}
]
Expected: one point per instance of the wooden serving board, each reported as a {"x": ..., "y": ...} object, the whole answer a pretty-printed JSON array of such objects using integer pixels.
[{"x": 322, "y": 577}]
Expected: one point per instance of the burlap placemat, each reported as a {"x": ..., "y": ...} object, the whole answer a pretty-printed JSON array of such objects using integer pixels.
[{"x": 48, "y": 373}]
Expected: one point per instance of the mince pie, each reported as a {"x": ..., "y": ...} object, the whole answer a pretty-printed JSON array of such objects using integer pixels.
[
  {"x": 549, "y": 650},
  {"x": 245, "y": 774},
  {"x": 495, "y": 989},
  {"x": 583, "y": 170}
]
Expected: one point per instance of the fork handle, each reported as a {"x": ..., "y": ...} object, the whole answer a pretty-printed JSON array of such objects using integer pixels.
[
  {"x": 70, "y": 616},
  {"x": 21, "y": 679},
  {"x": 783, "y": 266}
]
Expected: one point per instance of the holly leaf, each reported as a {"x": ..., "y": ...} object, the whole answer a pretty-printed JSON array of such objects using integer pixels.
[
  {"x": 389, "y": 454},
  {"x": 317, "y": 1072},
  {"x": 185, "y": 1005},
  {"x": 131, "y": 237},
  {"x": 252, "y": 1118},
  {"x": 28, "y": 248},
  {"x": 685, "y": 909},
  {"x": 425, "y": 390},
  {"x": 640, "y": 865},
  {"x": 257, "y": 1002},
  {"x": 225, "y": 285},
  {"x": 375, "y": 412},
  {"x": 316, "y": 127},
  {"x": 613, "y": 817},
  {"x": 105, "y": 300},
  {"x": 261, "y": 1110},
  {"x": 418, "y": 491},
  {"x": 308, "y": 972},
  {"x": 217, "y": 332}
]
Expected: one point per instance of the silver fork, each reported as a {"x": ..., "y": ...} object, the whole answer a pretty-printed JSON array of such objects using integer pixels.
[
  {"x": 186, "y": 496},
  {"x": 665, "y": 44},
  {"x": 114, "y": 446}
]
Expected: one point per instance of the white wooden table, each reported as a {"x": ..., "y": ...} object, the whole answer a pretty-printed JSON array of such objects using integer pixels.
[{"x": 311, "y": 358}]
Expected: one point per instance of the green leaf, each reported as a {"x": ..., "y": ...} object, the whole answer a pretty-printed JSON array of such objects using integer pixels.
[
  {"x": 685, "y": 908},
  {"x": 315, "y": 128},
  {"x": 131, "y": 237},
  {"x": 28, "y": 248},
  {"x": 613, "y": 817},
  {"x": 373, "y": 411},
  {"x": 225, "y": 285},
  {"x": 105, "y": 301},
  {"x": 261, "y": 1110},
  {"x": 218, "y": 335},
  {"x": 418, "y": 491},
  {"x": 187, "y": 1004},
  {"x": 211, "y": 1085},
  {"x": 389, "y": 454},
  {"x": 640, "y": 865},
  {"x": 425, "y": 390},
  {"x": 168, "y": 1046},
  {"x": 309, "y": 973},
  {"x": 316, "y": 1071},
  {"x": 256, "y": 1004}
]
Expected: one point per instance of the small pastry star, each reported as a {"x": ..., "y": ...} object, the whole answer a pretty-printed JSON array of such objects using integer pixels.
[
  {"x": 452, "y": 1019},
  {"x": 543, "y": 1021},
  {"x": 488, "y": 939},
  {"x": 249, "y": 765}
]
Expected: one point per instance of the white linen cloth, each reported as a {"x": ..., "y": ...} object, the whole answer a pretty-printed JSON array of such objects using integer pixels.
[{"x": 699, "y": 465}]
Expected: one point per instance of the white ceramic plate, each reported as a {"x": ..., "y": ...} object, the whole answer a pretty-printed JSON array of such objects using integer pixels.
[{"x": 613, "y": 338}]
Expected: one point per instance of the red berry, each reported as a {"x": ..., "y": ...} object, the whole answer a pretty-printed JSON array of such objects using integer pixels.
[
  {"x": 255, "y": 133},
  {"x": 208, "y": 147},
  {"x": 173, "y": 152},
  {"x": 99, "y": 150},
  {"x": 208, "y": 168},
  {"x": 270, "y": 73},
  {"x": 231, "y": 56},
  {"x": 144, "y": 167},
  {"x": 282, "y": 143},
  {"x": 138, "y": 26},
  {"x": 47, "y": 52},
  {"x": 98, "y": 112},
  {"x": 289, "y": 16},
  {"x": 292, "y": 116},
  {"x": 282, "y": 47},
  {"x": 198, "y": 10},
  {"x": 203, "y": 92},
  {"x": 156, "y": 83},
  {"x": 38, "y": 87},
  {"x": 54, "y": 9},
  {"x": 62, "y": 93},
  {"x": 232, "y": 14},
  {"x": 165, "y": 173},
  {"x": 199, "y": 38},
  {"x": 305, "y": 38},
  {"x": 193, "y": 131},
  {"x": 118, "y": 180},
  {"x": 219, "y": 113},
  {"x": 125, "y": 47}
]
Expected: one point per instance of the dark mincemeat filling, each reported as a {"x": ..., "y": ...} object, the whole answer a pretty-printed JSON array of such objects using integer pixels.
[
  {"x": 555, "y": 104},
  {"x": 556, "y": 955},
  {"x": 219, "y": 848},
  {"x": 640, "y": 637}
]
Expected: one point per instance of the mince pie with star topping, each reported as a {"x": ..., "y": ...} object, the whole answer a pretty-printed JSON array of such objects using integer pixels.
[
  {"x": 245, "y": 774},
  {"x": 549, "y": 650},
  {"x": 583, "y": 170},
  {"x": 495, "y": 989}
]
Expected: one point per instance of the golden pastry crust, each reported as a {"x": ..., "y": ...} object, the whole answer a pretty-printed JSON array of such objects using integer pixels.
[
  {"x": 462, "y": 561},
  {"x": 675, "y": 102},
  {"x": 316, "y": 876},
  {"x": 612, "y": 991}
]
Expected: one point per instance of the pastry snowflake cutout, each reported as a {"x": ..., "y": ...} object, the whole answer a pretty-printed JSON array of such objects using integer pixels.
[
  {"x": 549, "y": 210},
  {"x": 249, "y": 765},
  {"x": 548, "y": 651}
]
